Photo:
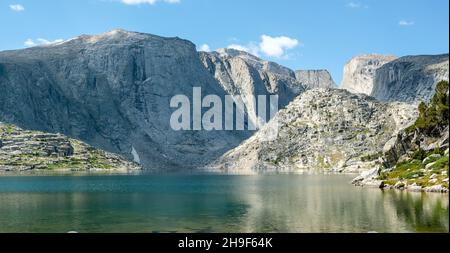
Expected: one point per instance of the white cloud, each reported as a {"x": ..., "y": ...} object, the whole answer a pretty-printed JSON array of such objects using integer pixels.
[
  {"x": 40, "y": 41},
  {"x": 204, "y": 48},
  {"x": 238, "y": 47},
  {"x": 17, "y": 7},
  {"x": 277, "y": 46},
  {"x": 405, "y": 23},
  {"x": 138, "y": 2},
  {"x": 250, "y": 48},
  {"x": 29, "y": 43}
]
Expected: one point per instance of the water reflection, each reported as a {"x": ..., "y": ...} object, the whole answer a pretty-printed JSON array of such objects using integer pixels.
[
  {"x": 421, "y": 212},
  {"x": 329, "y": 204},
  {"x": 302, "y": 203}
]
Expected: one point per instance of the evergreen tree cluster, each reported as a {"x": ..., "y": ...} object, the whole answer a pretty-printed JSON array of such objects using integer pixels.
[{"x": 434, "y": 117}]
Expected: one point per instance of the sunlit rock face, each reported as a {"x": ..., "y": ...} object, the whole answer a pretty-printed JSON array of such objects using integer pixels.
[
  {"x": 360, "y": 71},
  {"x": 410, "y": 78},
  {"x": 113, "y": 91},
  {"x": 321, "y": 130}
]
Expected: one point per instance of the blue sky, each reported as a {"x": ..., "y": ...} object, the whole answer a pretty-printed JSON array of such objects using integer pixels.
[{"x": 300, "y": 34}]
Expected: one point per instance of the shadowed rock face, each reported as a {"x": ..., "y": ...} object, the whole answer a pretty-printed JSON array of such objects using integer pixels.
[
  {"x": 411, "y": 78},
  {"x": 113, "y": 91},
  {"x": 312, "y": 79},
  {"x": 239, "y": 72},
  {"x": 359, "y": 72}
]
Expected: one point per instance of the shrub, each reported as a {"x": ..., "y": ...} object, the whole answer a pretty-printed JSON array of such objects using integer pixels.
[{"x": 419, "y": 154}]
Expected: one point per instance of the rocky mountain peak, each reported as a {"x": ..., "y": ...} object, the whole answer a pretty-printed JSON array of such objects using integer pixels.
[
  {"x": 410, "y": 78},
  {"x": 116, "y": 37},
  {"x": 312, "y": 79},
  {"x": 359, "y": 72},
  {"x": 119, "y": 35},
  {"x": 254, "y": 61},
  {"x": 230, "y": 52},
  {"x": 241, "y": 73}
]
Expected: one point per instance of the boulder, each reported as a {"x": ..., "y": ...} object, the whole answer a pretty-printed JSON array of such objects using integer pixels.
[
  {"x": 436, "y": 188},
  {"x": 399, "y": 185},
  {"x": 430, "y": 158}
]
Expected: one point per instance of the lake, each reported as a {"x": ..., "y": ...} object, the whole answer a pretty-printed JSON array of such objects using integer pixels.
[{"x": 213, "y": 203}]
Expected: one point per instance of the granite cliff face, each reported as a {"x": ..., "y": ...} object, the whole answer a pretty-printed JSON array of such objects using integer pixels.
[
  {"x": 240, "y": 73},
  {"x": 407, "y": 79},
  {"x": 321, "y": 130},
  {"x": 411, "y": 78},
  {"x": 360, "y": 71},
  {"x": 312, "y": 79},
  {"x": 113, "y": 91},
  {"x": 31, "y": 151}
]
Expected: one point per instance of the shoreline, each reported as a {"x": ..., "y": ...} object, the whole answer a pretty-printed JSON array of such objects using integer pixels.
[
  {"x": 150, "y": 172},
  {"x": 406, "y": 189},
  {"x": 370, "y": 184}
]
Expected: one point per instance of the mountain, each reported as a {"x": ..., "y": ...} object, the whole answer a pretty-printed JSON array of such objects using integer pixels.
[
  {"x": 23, "y": 150},
  {"x": 410, "y": 78},
  {"x": 240, "y": 73},
  {"x": 338, "y": 130},
  {"x": 406, "y": 79},
  {"x": 113, "y": 91},
  {"x": 359, "y": 72},
  {"x": 312, "y": 79},
  {"x": 321, "y": 130}
]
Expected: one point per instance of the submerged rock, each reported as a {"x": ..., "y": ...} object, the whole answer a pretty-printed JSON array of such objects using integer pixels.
[{"x": 368, "y": 178}]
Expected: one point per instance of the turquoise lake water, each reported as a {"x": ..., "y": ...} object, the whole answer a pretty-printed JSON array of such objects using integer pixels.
[{"x": 209, "y": 203}]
